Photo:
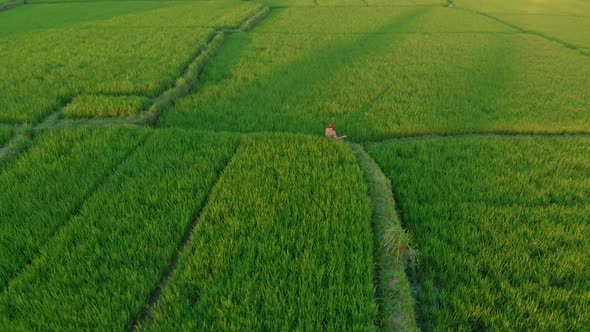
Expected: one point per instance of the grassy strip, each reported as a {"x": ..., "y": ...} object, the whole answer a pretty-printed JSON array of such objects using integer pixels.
[
  {"x": 185, "y": 82},
  {"x": 10, "y": 4},
  {"x": 501, "y": 223},
  {"x": 191, "y": 76},
  {"x": 41, "y": 190},
  {"x": 86, "y": 106},
  {"x": 106, "y": 261},
  {"x": 5, "y": 134},
  {"x": 284, "y": 244},
  {"x": 20, "y": 140},
  {"x": 251, "y": 22},
  {"x": 392, "y": 249}
]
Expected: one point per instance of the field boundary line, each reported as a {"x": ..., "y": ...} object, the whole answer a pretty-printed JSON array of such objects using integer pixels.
[
  {"x": 77, "y": 209},
  {"x": 427, "y": 136},
  {"x": 191, "y": 75},
  {"x": 391, "y": 252},
  {"x": 20, "y": 139},
  {"x": 156, "y": 292},
  {"x": 12, "y": 4},
  {"x": 532, "y": 32}
]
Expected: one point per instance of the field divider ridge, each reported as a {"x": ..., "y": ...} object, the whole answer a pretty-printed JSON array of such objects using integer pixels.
[
  {"x": 532, "y": 32},
  {"x": 191, "y": 75},
  {"x": 20, "y": 140},
  {"x": 76, "y": 209},
  {"x": 451, "y": 136},
  {"x": 159, "y": 287},
  {"x": 11, "y": 4},
  {"x": 392, "y": 251}
]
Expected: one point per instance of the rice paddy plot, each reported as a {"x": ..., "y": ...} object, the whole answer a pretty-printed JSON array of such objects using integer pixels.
[
  {"x": 501, "y": 225},
  {"x": 403, "y": 78},
  {"x": 105, "y": 106},
  {"x": 41, "y": 190},
  {"x": 100, "y": 268},
  {"x": 135, "y": 54},
  {"x": 26, "y": 19},
  {"x": 284, "y": 243}
]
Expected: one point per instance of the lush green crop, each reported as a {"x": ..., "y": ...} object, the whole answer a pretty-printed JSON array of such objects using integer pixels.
[
  {"x": 133, "y": 54},
  {"x": 284, "y": 243},
  {"x": 44, "y": 187},
  {"x": 501, "y": 225},
  {"x": 105, "y": 106},
  {"x": 417, "y": 71},
  {"x": 5, "y": 133},
  {"x": 100, "y": 268}
]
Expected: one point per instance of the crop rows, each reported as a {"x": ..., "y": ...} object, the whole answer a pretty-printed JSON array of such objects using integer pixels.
[
  {"x": 413, "y": 72},
  {"x": 100, "y": 268},
  {"x": 501, "y": 226},
  {"x": 284, "y": 244},
  {"x": 79, "y": 58}
]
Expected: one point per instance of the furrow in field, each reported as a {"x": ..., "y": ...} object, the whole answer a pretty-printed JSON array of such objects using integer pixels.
[
  {"x": 284, "y": 243},
  {"x": 45, "y": 186},
  {"x": 100, "y": 269}
]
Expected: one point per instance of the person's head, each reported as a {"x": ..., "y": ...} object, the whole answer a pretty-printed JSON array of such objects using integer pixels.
[{"x": 331, "y": 125}]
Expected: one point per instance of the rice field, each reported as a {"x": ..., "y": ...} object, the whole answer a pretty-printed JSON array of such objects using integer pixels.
[
  {"x": 391, "y": 75},
  {"x": 501, "y": 225},
  {"x": 77, "y": 57},
  {"x": 162, "y": 165}
]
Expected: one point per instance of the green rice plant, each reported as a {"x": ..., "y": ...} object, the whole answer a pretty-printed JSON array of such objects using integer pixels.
[
  {"x": 100, "y": 268},
  {"x": 86, "y": 106},
  {"x": 381, "y": 75},
  {"x": 5, "y": 134},
  {"x": 43, "y": 188},
  {"x": 284, "y": 244},
  {"x": 501, "y": 225},
  {"x": 113, "y": 53}
]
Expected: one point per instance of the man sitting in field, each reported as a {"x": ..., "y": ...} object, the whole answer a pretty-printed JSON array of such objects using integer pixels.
[{"x": 331, "y": 133}]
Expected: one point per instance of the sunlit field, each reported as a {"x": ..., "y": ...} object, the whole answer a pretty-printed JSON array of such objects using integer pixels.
[{"x": 163, "y": 165}]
